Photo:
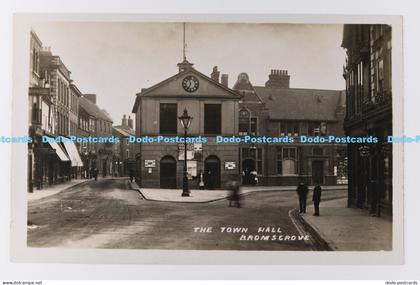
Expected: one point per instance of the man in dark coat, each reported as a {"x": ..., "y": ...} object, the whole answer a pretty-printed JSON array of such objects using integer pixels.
[
  {"x": 316, "y": 198},
  {"x": 302, "y": 191},
  {"x": 95, "y": 173},
  {"x": 131, "y": 175}
]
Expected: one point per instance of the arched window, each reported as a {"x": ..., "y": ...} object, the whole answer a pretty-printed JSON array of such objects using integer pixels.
[
  {"x": 247, "y": 124},
  {"x": 243, "y": 121}
]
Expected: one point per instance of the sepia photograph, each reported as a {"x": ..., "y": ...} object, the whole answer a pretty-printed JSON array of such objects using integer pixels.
[
  {"x": 210, "y": 136},
  {"x": 241, "y": 138},
  {"x": 225, "y": 141}
]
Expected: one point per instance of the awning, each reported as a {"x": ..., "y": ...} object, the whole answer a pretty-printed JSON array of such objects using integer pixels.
[
  {"x": 59, "y": 151},
  {"x": 73, "y": 153}
]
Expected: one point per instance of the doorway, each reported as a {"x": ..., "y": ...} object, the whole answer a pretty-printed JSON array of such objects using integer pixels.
[
  {"x": 168, "y": 172},
  {"x": 104, "y": 167},
  {"x": 212, "y": 172},
  {"x": 248, "y": 165},
  {"x": 318, "y": 172}
]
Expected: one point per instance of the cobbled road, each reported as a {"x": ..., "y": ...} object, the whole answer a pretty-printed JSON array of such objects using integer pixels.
[{"x": 108, "y": 214}]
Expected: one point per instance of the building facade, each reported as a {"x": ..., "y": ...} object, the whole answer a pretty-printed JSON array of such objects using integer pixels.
[
  {"x": 50, "y": 162},
  {"x": 124, "y": 151},
  {"x": 368, "y": 75},
  {"x": 95, "y": 122},
  {"x": 276, "y": 110},
  {"x": 86, "y": 129},
  {"x": 214, "y": 108},
  {"x": 41, "y": 118},
  {"x": 59, "y": 80},
  {"x": 54, "y": 114},
  {"x": 273, "y": 110}
]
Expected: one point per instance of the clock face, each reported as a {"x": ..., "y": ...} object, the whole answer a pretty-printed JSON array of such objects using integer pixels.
[{"x": 190, "y": 83}]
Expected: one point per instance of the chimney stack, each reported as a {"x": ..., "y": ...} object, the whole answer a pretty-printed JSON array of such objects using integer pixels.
[
  {"x": 90, "y": 97},
  {"x": 215, "y": 74},
  {"x": 130, "y": 122},
  {"x": 278, "y": 79},
  {"x": 124, "y": 121},
  {"x": 224, "y": 80}
]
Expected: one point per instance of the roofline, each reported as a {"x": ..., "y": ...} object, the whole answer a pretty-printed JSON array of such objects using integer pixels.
[
  {"x": 61, "y": 63},
  {"x": 184, "y": 72},
  {"x": 323, "y": 120},
  {"x": 252, "y": 90},
  {"x": 33, "y": 33},
  {"x": 89, "y": 113},
  {"x": 136, "y": 104},
  {"x": 277, "y": 88},
  {"x": 110, "y": 120},
  {"x": 72, "y": 85},
  {"x": 189, "y": 96},
  {"x": 144, "y": 92},
  {"x": 122, "y": 130},
  {"x": 119, "y": 131}
]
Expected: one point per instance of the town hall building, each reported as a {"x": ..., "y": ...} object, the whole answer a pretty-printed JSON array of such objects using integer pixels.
[
  {"x": 273, "y": 110},
  {"x": 214, "y": 110}
]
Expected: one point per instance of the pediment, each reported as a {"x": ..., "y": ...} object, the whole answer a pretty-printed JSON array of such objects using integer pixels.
[{"x": 184, "y": 83}]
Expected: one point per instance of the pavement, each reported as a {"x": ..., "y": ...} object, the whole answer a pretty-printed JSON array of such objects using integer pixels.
[
  {"x": 342, "y": 228},
  {"x": 108, "y": 213},
  {"x": 349, "y": 229},
  {"x": 54, "y": 189},
  {"x": 204, "y": 196}
]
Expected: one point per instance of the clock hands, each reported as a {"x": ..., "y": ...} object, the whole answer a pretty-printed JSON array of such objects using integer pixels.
[{"x": 190, "y": 84}]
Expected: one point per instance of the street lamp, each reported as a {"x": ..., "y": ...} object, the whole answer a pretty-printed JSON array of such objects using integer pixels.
[{"x": 185, "y": 120}]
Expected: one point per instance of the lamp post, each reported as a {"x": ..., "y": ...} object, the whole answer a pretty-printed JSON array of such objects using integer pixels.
[{"x": 185, "y": 120}]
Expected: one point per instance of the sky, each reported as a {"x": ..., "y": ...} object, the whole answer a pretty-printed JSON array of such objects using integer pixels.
[{"x": 115, "y": 60}]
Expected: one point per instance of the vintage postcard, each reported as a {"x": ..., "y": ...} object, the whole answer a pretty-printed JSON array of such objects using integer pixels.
[{"x": 207, "y": 140}]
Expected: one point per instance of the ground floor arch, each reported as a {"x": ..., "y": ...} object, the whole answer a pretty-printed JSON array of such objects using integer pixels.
[
  {"x": 248, "y": 166},
  {"x": 212, "y": 172},
  {"x": 167, "y": 172}
]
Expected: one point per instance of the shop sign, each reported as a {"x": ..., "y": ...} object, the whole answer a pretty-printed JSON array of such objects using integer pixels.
[
  {"x": 191, "y": 169},
  {"x": 149, "y": 163},
  {"x": 230, "y": 165},
  {"x": 194, "y": 151}
]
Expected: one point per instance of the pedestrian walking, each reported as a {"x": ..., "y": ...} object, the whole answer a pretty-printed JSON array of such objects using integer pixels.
[
  {"x": 131, "y": 175},
  {"x": 316, "y": 198},
  {"x": 254, "y": 178},
  {"x": 95, "y": 173},
  {"x": 302, "y": 191},
  {"x": 234, "y": 198},
  {"x": 201, "y": 183}
]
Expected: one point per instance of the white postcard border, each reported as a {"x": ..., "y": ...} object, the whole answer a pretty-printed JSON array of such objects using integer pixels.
[{"x": 21, "y": 253}]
